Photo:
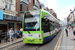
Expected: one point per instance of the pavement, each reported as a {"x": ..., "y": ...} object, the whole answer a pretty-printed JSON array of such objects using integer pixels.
[
  {"x": 23, "y": 46},
  {"x": 60, "y": 42},
  {"x": 68, "y": 43},
  {"x": 3, "y": 45}
]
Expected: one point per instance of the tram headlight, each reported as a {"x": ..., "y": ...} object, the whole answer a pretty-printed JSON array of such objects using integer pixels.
[
  {"x": 24, "y": 36},
  {"x": 38, "y": 35}
]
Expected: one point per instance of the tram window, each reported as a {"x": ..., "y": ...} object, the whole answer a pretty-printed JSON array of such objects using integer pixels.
[
  {"x": 45, "y": 25},
  {"x": 52, "y": 26}
]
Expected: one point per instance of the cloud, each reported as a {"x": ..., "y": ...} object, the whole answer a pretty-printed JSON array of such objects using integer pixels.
[
  {"x": 61, "y": 12},
  {"x": 51, "y": 4},
  {"x": 66, "y": 11},
  {"x": 68, "y": 8}
]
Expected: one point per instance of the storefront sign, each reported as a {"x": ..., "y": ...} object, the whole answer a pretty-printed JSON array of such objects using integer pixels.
[{"x": 1, "y": 15}]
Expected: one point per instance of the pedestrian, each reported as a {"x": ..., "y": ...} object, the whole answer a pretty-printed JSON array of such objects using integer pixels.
[
  {"x": 18, "y": 34},
  {"x": 21, "y": 31},
  {"x": 74, "y": 32},
  {"x": 66, "y": 31},
  {"x": 11, "y": 32},
  {"x": 69, "y": 28}
]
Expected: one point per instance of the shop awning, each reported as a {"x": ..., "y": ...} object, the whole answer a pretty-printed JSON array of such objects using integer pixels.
[{"x": 13, "y": 18}]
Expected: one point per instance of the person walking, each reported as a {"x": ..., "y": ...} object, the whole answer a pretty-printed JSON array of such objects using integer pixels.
[
  {"x": 66, "y": 31},
  {"x": 69, "y": 28},
  {"x": 11, "y": 32},
  {"x": 74, "y": 32}
]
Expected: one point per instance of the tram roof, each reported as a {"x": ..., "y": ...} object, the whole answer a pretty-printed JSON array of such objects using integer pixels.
[
  {"x": 52, "y": 17},
  {"x": 46, "y": 12}
]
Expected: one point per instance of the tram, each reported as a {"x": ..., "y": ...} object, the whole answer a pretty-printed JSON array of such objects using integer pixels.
[{"x": 39, "y": 27}]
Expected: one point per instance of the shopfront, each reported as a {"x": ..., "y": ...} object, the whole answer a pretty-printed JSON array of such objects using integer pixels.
[{"x": 10, "y": 22}]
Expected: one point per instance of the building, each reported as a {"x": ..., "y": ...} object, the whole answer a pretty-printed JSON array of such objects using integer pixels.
[
  {"x": 28, "y": 5},
  {"x": 9, "y": 15},
  {"x": 61, "y": 22},
  {"x": 34, "y": 4},
  {"x": 45, "y": 8},
  {"x": 71, "y": 18},
  {"x": 68, "y": 19},
  {"x": 42, "y": 6},
  {"x": 53, "y": 13},
  {"x": 24, "y": 6},
  {"x": 65, "y": 21},
  {"x": 18, "y": 7},
  {"x": 9, "y": 7}
]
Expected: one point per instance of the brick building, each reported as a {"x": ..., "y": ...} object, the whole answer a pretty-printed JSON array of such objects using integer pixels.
[
  {"x": 23, "y": 7},
  {"x": 18, "y": 7},
  {"x": 53, "y": 13},
  {"x": 34, "y": 4}
]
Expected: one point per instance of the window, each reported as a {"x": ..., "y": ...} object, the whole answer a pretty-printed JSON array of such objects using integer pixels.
[
  {"x": 23, "y": 7},
  {"x": 32, "y": 21},
  {"x": 33, "y": 1},
  {"x": 11, "y": 25},
  {"x": 11, "y": 1},
  {"x": 8, "y": 6},
  {"x": 45, "y": 25},
  {"x": 20, "y": 7}
]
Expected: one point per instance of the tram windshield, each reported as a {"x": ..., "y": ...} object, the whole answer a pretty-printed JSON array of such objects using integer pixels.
[{"x": 32, "y": 21}]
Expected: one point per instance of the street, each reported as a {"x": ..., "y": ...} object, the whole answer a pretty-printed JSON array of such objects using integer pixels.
[
  {"x": 59, "y": 42},
  {"x": 47, "y": 46},
  {"x": 37, "y": 25}
]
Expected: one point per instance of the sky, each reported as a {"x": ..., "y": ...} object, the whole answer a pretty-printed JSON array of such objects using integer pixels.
[{"x": 61, "y": 7}]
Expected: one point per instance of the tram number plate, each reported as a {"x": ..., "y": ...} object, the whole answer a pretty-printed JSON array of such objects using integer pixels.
[{"x": 30, "y": 35}]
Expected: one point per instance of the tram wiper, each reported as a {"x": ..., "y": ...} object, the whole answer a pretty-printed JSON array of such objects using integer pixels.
[{"x": 28, "y": 31}]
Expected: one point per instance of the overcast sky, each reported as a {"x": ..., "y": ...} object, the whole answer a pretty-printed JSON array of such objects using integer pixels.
[{"x": 61, "y": 7}]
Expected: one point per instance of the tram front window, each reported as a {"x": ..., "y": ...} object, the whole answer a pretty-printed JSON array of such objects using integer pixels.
[{"x": 32, "y": 21}]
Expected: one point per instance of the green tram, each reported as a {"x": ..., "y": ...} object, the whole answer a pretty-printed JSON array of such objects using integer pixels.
[{"x": 39, "y": 27}]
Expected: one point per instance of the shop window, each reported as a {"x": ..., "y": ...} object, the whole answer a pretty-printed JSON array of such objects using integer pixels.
[
  {"x": 3, "y": 27},
  {"x": 11, "y": 25}
]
